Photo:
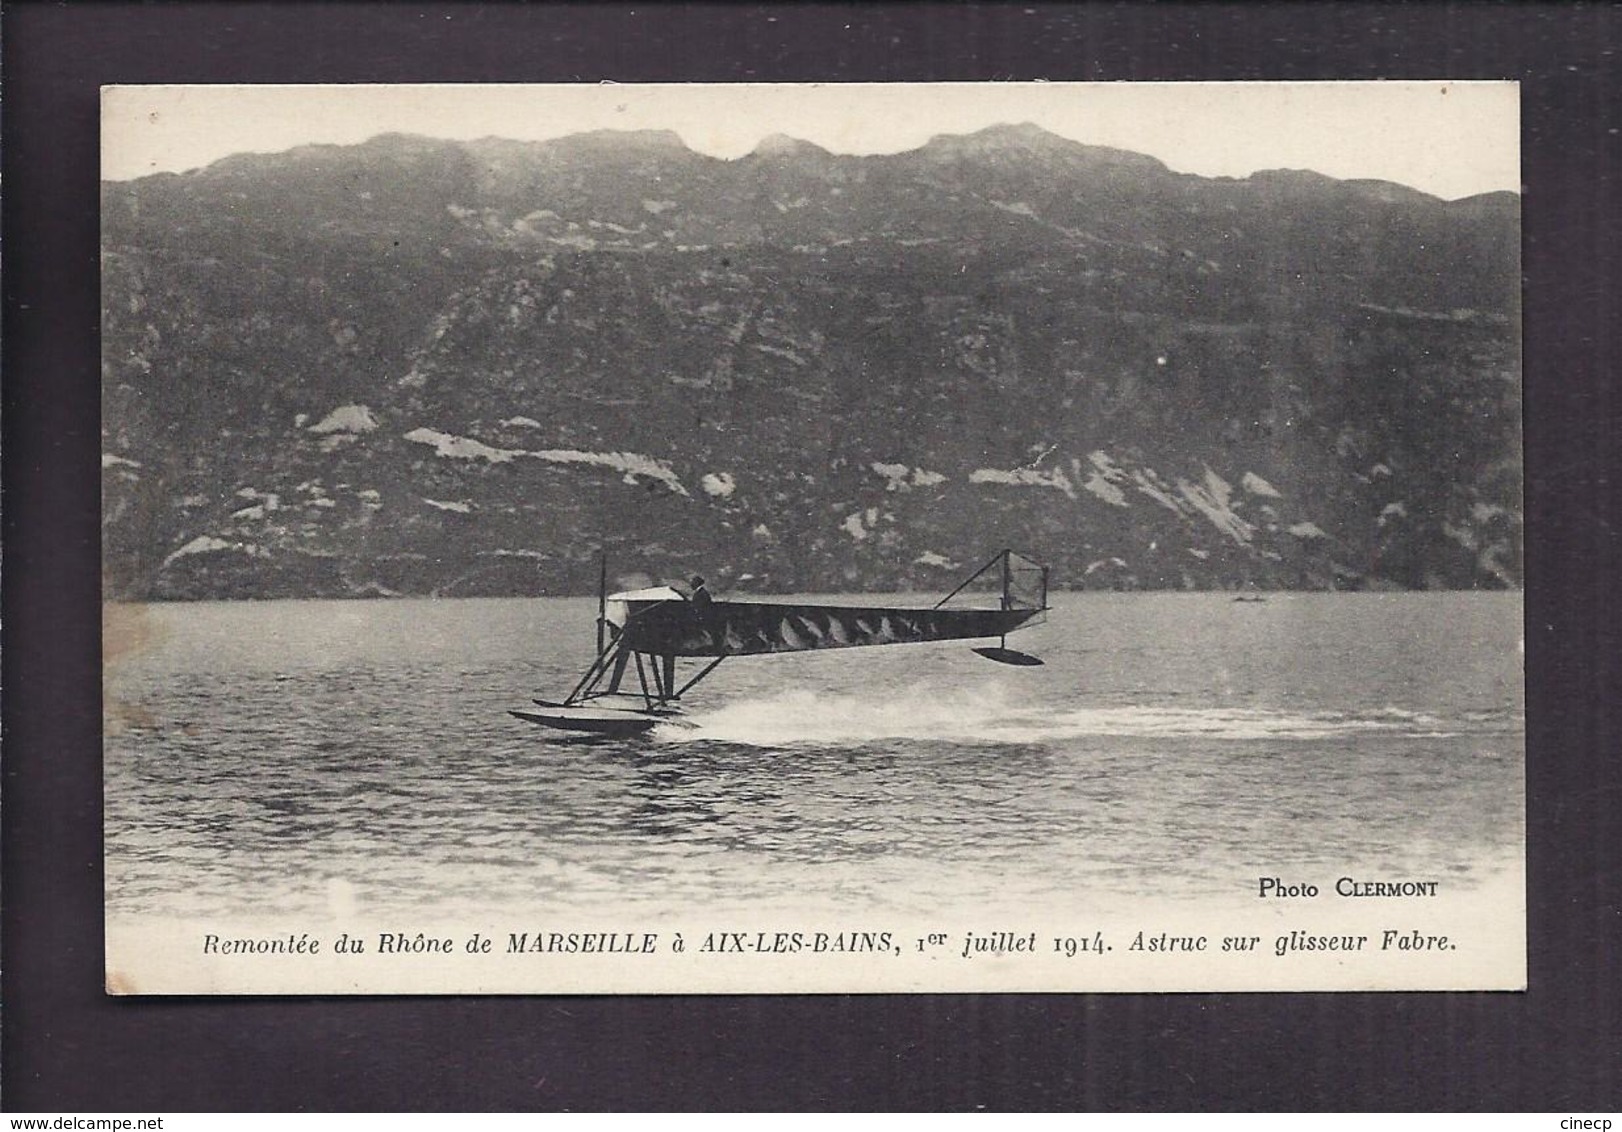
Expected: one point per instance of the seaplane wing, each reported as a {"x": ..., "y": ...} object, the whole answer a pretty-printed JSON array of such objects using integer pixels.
[
  {"x": 666, "y": 627},
  {"x": 665, "y": 622},
  {"x": 651, "y": 628}
]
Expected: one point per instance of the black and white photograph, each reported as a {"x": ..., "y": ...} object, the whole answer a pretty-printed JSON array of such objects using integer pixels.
[{"x": 510, "y": 495}]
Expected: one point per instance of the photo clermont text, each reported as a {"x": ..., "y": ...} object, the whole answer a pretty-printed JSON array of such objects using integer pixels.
[{"x": 1277, "y": 888}]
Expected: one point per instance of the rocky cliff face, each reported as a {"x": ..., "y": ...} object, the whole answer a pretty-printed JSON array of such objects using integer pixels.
[{"x": 416, "y": 366}]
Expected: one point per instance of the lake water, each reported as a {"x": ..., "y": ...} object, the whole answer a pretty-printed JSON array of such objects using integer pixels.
[{"x": 330, "y": 759}]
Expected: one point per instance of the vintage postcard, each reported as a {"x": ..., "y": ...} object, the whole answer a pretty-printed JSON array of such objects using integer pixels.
[{"x": 511, "y": 494}]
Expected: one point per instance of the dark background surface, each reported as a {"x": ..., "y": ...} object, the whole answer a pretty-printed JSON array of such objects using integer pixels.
[{"x": 1557, "y": 1047}]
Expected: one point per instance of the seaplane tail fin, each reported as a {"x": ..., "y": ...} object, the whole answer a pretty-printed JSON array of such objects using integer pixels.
[
  {"x": 1020, "y": 582},
  {"x": 1020, "y": 586},
  {"x": 1025, "y": 584}
]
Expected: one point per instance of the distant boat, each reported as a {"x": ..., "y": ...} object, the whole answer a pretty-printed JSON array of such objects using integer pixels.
[
  {"x": 1252, "y": 599},
  {"x": 650, "y": 629}
]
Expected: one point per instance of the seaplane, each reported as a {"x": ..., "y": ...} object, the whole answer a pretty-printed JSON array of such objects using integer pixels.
[{"x": 647, "y": 631}]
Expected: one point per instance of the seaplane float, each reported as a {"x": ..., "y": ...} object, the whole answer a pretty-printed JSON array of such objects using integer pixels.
[{"x": 647, "y": 631}]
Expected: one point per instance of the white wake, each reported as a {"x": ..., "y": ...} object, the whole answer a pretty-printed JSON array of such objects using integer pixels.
[{"x": 989, "y": 716}]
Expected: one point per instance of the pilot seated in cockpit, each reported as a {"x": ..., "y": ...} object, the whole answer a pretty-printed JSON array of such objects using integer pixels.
[{"x": 699, "y": 596}]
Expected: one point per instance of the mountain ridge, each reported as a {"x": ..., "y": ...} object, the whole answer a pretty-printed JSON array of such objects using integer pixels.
[{"x": 458, "y": 367}]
